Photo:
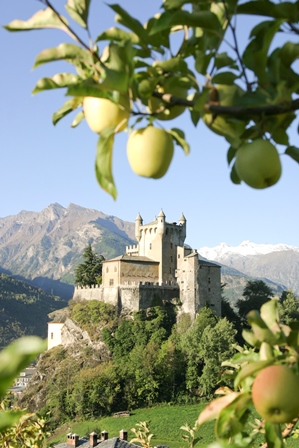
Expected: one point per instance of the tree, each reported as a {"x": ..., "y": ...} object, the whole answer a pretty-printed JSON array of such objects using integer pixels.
[
  {"x": 288, "y": 307},
  {"x": 90, "y": 272},
  {"x": 255, "y": 294},
  {"x": 188, "y": 56}
]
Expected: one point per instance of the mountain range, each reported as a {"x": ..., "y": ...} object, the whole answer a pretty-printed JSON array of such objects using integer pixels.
[
  {"x": 44, "y": 248},
  {"x": 277, "y": 265}
]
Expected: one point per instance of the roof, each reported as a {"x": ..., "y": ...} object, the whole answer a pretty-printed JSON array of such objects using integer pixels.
[
  {"x": 208, "y": 263},
  {"x": 127, "y": 257},
  {"x": 114, "y": 442}
]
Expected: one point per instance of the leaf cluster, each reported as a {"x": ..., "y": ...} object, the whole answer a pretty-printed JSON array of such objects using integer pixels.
[{"x": 241, "y": 94}]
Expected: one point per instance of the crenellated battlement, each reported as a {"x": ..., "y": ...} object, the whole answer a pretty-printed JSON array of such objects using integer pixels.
[
  {"x": 132, "y": 249},
  {"x": 78, "y": 287}
]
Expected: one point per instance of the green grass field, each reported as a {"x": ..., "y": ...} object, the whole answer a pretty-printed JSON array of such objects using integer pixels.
[{"x": 164, "y": 422}]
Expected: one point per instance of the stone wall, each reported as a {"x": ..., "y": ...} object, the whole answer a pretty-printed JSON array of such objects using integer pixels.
[{"x": 132, "y": 295}]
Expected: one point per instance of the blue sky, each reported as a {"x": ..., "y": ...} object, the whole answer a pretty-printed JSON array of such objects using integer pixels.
[{"x": 42, "y": 164}]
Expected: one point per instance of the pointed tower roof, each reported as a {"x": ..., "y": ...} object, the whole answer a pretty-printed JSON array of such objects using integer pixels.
[
  {"x": 138, "y": 218},
  {"x": 182, "y": 219},
  {"x": 161, "y": 214}
]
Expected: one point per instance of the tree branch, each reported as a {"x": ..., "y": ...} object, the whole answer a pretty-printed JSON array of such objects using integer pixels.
[
  {"x": 217, "y": 109},
  {"x": 72, "y": 32}
]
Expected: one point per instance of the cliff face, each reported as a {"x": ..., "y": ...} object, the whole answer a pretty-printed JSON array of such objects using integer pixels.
[{"x": 76, "y": 341}]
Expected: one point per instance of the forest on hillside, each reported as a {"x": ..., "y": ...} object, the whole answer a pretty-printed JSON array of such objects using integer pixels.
[
  {"x": 24, "y": 309},
  {"x": 146, "y": 358}
]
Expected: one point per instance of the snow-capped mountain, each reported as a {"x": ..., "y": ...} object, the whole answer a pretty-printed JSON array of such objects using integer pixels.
[
  {"x": 246, "y": 248},
  {"x": 278, "y": 263}
]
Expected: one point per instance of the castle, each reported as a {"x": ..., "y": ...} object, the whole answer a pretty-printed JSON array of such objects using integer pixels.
[{"x": 159, "y": 267}]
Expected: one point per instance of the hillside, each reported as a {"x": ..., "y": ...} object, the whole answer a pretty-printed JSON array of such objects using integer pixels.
[
  {"x": 45, "y": 247},
  {"x": 24, "y": 309}
]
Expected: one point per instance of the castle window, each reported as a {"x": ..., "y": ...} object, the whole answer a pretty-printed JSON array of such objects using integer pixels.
[
  {"x": 111, "y": 282},
  {"x": 209, "y": 280},
  {"x": 52, "y": 335},
  {"x": 150, "y": 246},
  {"x": 107, "y": 269},
  {"x": 170, "y": 245},
  {"x": 209, "y": 289},
  {"x": 170, "y": 258},
  {"x": 179, "y": 256}
]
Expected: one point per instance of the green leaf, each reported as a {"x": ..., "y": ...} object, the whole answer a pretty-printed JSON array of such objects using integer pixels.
[
  {"x": 56, "y": 82},
  {"x": 16, "y": 356},
  {"x": 78, "y": 10},
  {"x": 223, "y": 60},
  {"x": 169, "y": 5},
  {"x": 224, "y": 78},
  {"x": 280, "y": 136},
  {"x": 9, "y": 418},
  {"x": 118, "y": 70},
  {"x": 179, "y": 137},
  {"x": 273, "y": 435},
  {"x": 45, "y": 18},
  {"x": 68, "y": 107},
  {"x": 231, "y": 153},
  {"x": 88, "y": 87},
  {"x": 118, "y": 35},
  {"x": 195, "y": 116},
  {"x": 70, "y": 52},
  {"x": 260, "y": 328},
  {"x": 289, "y": 53},
  {"x": 130, "y": 22},
  {"x": 250, "y": 338},
  {"x": 200, "y": 100},
  {"x": 249, "y": 370},
  {"x": 202, "y": 19},
  {"x": 103, "y": 164},
  {"x": 176, "y": 64},
  {"x": 285, "y": 10},
  {"x": 269, "y": 313},
  {"x": 213, "y": 409},
  {"x": 234, "y": 176},
  {"x": 78, "y": 118},
  {"x": 202, "y": 60},
  {"x": 293, "y": 152},
  {"x": 232, "y": 418},
  {"x": 255, "y": 56}
]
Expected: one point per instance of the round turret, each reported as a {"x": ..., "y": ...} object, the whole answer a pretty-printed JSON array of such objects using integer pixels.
[
  {"x": 138, "y": 223},
  {"x": 161, "y": 222}
]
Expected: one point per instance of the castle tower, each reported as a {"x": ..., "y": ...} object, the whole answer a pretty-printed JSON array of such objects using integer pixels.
[
  {"x": 161, "y": 222},
  {"x": 138, "y": 223}
]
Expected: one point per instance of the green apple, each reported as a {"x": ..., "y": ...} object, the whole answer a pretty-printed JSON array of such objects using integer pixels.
[
  {"x": 173, "y": 87},
  {"x": 150, "y": 151},
  {"x": 101, "y": 113},
  {"x": 258, "y": 164},
  {"x": 275, "y": 394}
]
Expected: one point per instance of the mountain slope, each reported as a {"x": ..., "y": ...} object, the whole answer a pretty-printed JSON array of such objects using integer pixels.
[
  {"x": 24, "y": 309},
  {"x": 45, "y": 247},
  {"x": 273, "y": 263}
]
